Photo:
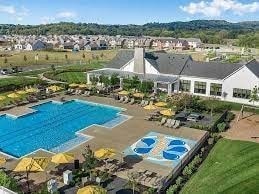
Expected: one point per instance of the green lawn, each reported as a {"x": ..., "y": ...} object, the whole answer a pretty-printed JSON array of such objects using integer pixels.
[
  {"x": 53, "y": 57},
  {"x": 231, "y": 167},
  {"x": 72, "y": 77}
]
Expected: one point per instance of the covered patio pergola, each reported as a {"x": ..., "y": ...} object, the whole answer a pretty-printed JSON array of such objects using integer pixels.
[{"x": 164, "y": 82}]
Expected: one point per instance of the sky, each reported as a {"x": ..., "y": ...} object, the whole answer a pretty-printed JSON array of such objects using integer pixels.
[{"x": 125, "y": 11}]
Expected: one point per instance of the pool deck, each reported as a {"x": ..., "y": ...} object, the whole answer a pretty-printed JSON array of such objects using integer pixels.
[{"x": 118, "y": 138}]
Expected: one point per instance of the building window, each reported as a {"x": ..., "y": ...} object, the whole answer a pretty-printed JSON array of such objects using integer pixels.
[
  {"x": 200, "y": 87},
  {"x": 185, "y": 85},
  {"x": 241, "y": 93},
  {"x": 215, "y": 89}
]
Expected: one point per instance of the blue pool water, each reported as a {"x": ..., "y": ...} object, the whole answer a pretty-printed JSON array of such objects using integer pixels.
[
  {"x": 161, "y": 149},
  {"x": 52, "y": 125}
]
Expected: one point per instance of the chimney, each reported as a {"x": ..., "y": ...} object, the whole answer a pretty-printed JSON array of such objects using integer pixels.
[{"x": 139, "y": 61}]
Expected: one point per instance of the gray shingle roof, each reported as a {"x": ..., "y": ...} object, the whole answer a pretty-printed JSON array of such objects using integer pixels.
[
  {"x": 179, "y": 64},
  {"x": 214, "y": 70},
  {"x": 254, "y": 67}
]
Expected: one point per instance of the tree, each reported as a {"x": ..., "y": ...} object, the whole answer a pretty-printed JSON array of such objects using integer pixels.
[
  {"x": 25, "y": 58},
  {"x": 83, "y": 56},
  {"x": 53, "y": 68},
  {"x": 47, "y": 57},
  {"x": 254, "y": 97},
  {"x": 90, "y": 162},
  {"x": 5, "y": 60},
  {"x": 66, "y": 56},
  {"x": 132, "y": 181},
  {"x": 221, "y": 127}
]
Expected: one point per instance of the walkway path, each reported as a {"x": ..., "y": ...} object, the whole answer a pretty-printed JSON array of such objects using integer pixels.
[{"x": 42, "y": 77}]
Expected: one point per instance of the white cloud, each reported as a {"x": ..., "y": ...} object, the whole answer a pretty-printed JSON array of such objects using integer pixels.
[
  {"x": 16, "y": 12},
  {"x": 215, "y": 8},
  {"x": 7, "y": 9},
  {"x": 66, "y": 15},
  {"x": 61, "y": 16}
]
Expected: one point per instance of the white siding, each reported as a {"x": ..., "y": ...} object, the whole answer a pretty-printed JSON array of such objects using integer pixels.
[
  {"x": 208, "y": 82},
  {"x": 149, "y": 68},
  {"x": 243, "y": 79}
]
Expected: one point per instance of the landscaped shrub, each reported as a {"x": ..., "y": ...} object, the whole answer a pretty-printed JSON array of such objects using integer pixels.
[
  {"x": 172, "y": 189},
  {"x": 221, "y": 127},
  {"x": 230, "y": 116},
  {"x": 8, "y": 182}
]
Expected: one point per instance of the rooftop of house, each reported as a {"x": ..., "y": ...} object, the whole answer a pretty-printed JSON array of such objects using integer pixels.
[{"x": 179, "y": 64}]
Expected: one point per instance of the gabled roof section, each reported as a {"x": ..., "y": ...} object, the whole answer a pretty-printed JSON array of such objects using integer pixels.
[
  {"x": 214, "y": 70},
  {"x": 122, "y": 57},
  {"x": 254, "y": 67}
]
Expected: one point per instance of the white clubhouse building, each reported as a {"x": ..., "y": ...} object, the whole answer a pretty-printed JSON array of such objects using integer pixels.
[{"x": 180, "y": 73}]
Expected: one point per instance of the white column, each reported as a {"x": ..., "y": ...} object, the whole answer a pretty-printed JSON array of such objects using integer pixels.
[
  {"x": 88, "y": 78},
  {"x": 121, "y": 82},
  {"x": 207, "y": 88},
  {"x": 155, "y": 87},
  {"x": 169, "y": 89}
]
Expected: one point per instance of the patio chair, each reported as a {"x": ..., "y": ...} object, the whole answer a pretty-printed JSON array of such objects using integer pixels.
[
  {"x": 126, "y": 100},
  {"x": 142, "y": 102},
  {"x": 79, "y": 92},
  {"x": 86, "y": 93},
  {"x": 162, "y": 122},
  {"x": 167, "y": 124},
  {"x": 172, "y": 123},
  {"x": 132, "y": 101},
  {"x": 121, "y": 99},
  {"x": 145, "y": 103},
  {"x": 177, "y": 124}
]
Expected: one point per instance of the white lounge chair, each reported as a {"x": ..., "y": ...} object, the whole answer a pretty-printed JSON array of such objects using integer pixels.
[
  {"x": 121, "y": 99},
  {"x": 167, "y": 124},
  {"x": 172, "y": 123},
  {"x": 177, "y": 124},
  {"x": 162, "y": 122},
  {"x": 132, "y": 101}
]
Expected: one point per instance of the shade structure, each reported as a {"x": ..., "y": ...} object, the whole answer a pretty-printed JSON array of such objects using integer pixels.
[
  {"x": 55, "y": 88},
  {"x": 21, "y": 92},
  {"x": 92, "y": 189},
  {"x": 13, "y": 95},
  {"x": 123, "y": 93},
  {"x": 62, "y": 158},
  {"x": 31, "y": 90},
  {"x": 167, "y": 112},
  {"x": 37, "y": 164},
  {"x": 2, "y": 160},
  {"x": 2, "y": 98},
  {"x": 73, "y": 85},
  {"x": 104, "y": 153},
  {"x": 150, "y": 107},
  {"x": 139, "y": 95},
  {"x": 161, "y": 104},
  {"x": 82, "y": 86}
]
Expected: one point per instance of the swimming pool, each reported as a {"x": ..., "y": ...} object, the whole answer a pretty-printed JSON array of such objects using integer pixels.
[
  {"x": 161, "y": 149},
  {"x": 54, "y": 126}
]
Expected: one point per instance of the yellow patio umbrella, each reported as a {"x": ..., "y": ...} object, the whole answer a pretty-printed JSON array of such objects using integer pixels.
[
  {"x": 2, "y": 98},
  {"x": 55, "y": 88},
  {"x": 82, "y": 86},
  {"x": 123, "y": 93},
  {"x": 73, "y": 85},
  {"x": 161, "y": 104},
  {"x": 36, "y": 164},
  {"x": 150, "y": 107},
  {"x": 62, "y": 158},
  {"x": 167, "y": 112},
  {"x": 31, "y": 90},
  {"x": 138, "y": 95},
  {"x": 104, "y": 153},
  {"x": 92, "y": 189},
  {"x": 21, "y": 92},
  {"x": 2, "y": 160},
  {"x": 13, "y": 95}
]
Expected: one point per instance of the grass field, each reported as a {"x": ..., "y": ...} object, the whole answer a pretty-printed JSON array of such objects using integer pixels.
[
  {"x": 27, "y": 58},
  {"x": 231, "y": 167},
  {"x": 72, "y": 77}
]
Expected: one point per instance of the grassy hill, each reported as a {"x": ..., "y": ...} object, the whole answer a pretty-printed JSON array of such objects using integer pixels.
[{"x": 231, "y": 167}]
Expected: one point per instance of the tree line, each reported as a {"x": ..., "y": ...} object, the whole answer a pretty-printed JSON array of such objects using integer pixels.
[{"x": 209, "y": 31}]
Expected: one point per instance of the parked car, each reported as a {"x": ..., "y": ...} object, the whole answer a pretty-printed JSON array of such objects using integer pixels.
[
  {"x": 4, "y": 71},
  {"x": 194, "y": 117}
]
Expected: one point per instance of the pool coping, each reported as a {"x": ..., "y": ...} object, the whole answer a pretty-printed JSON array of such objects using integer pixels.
[{"x": 77, "y": 133}]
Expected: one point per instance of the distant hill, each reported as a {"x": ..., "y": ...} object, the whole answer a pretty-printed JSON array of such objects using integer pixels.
[{"x": 209, "y": 31}]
